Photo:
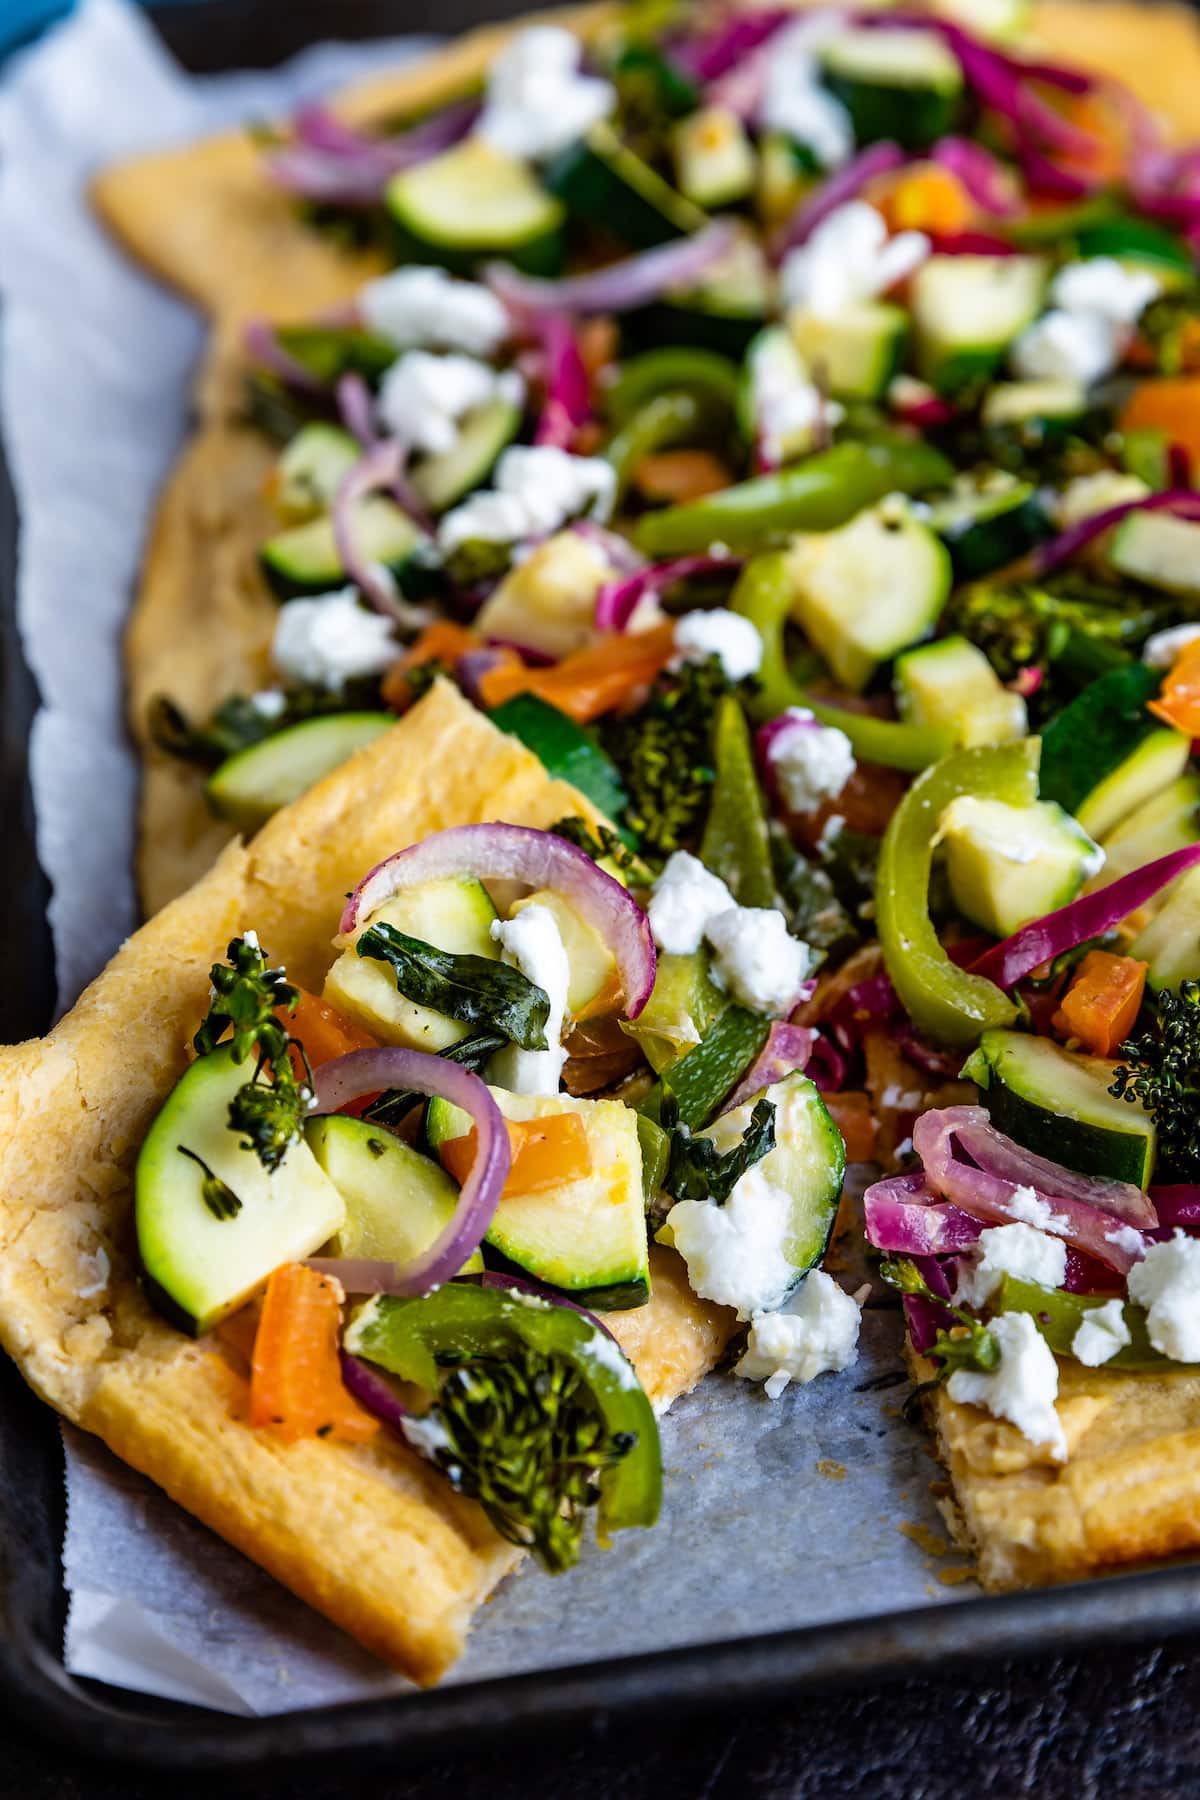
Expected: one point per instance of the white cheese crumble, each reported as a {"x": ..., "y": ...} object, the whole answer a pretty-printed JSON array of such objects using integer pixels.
[
  {"x": 330, "y": 639},
  {"x": 1022, "y": 1389},
  {"x": 1094, "y": 307},
  {"x": 757, "y": 959},
  {"x": 609, "y": 1355},
  {"x": 1161, "y": 649},
  {"x": 532, "y": 943},
  {"x": 1026, "y": 1205},
  {"x": 428, "y": 1435},
  {"x": 537, "y": 100},
  {"x": 1167, "y": 1284},
  {"x": 789, "y": 408},
  {"x": 537, "y": 490},
  {"x": 1127, "y": 1238},
  {"x": 1017, "y": 1250},
  {"x": 849, "y": 259},
  {"x": 721, "y": 633},
  {"x": 811, "y": 763},
  {"x": 686, "y": 896},
  {"x": 735, "y": 1253},
  {"x": 794, "y": 102},
  {"x": 418, "y": 307},
  {"x": 423, "y": 398},
  {"x": 819, "y": 1334},
  {"x": 269, "y": 703},
  {"x": 1102, "y": 1333}
]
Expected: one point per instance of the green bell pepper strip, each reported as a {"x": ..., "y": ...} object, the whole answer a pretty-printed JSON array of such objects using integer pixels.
[
  {"x": 950, "y": 1004},
  {"x": 656, "y": 1154},
  {"x": 1058, "y": 1317},
  {"x": 735, "y": 845},
  {"x": 682, "y": 370},
  {"x": 671, "y": 418},
  {"x": 700, "y": 1080},
  {"x": 460, "y": 1322},
  {"x": 816, "y": 495},
  {"x": 764, "y": 595}
]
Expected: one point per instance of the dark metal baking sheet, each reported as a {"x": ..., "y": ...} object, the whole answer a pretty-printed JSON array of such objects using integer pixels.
[{"x": 103, "y": 1721}]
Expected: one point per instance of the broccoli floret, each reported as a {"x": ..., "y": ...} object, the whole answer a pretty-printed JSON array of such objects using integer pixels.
[
  {"x": 664, "y": 753},
  {"x": 1160, "y": 1070},
  {"x": 247, "y": 999},
  {"x": 525, "y": 1438}
]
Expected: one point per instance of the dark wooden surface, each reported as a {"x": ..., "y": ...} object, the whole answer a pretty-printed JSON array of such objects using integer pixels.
[{"x": 1117, "y": 1722}]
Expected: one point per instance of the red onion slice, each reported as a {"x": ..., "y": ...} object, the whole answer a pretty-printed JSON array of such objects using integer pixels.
[
  {"x": 903, "y": 1219},
  {"x": 568, "y": 403},
  {"x": 1184, "y": 502},
  {"x": 982, "y": 174},
  {"x": 1043, "y": 939},
  {"x": 706, "y": 58},
  {"x": 382, "y": 467},
  {"x": 849, "y": 181},
  {"x": 617, "y": 601},
  {"x": 786, "y": 1052},
  {"x": 1178, "y": 1205},
  {"x": 498, "y": 852},
  {"x": 356, "y": 408},
  {"x": 373, "y": 1392},
  {"x": 621, "y": 286},
  {"x": 972, "y": 1165},
  {"x": 362, "y": 1072},
  {"x": 330, "y": 161},
  {"x": 263, "y": 347}
]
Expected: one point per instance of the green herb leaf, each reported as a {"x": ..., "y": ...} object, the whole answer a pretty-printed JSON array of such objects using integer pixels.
[
  {"x": 469, "y": 1053},
  {"x": 967, "y": 1345},
  {"x": 219, "y": 1198},
  {"x": 473, "y": 989},
  {"x": 697, "y": 1170}
]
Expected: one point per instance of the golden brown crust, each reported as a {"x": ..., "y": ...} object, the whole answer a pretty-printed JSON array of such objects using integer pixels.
[
  {"x": 368, "y": 1535},
  {"x": 1129, "y": 1491}
]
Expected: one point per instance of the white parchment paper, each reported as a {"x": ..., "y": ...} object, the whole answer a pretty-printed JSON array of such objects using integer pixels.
[{"x": 777, "y": 1514}]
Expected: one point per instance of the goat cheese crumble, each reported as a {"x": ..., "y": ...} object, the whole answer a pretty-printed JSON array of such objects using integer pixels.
[
  {"x": 1094, "y": 307},
  {"x": 849, "y": 259},
  {"x": 330, "y": 639},
  {"x": 720, "y": 633},
  {"x": 756, "y": 958},
  {"x": 794, "y": 102},
  {"x": 818, "y": 1335},
  {"x": 789, "y": 408},
  {"x": 537, "y": 100},
  {"x": 1018, "y": 1250},
  {"x": 425, "y": 308},
  {"x": 537, "y": 489},
  {"x": 1028, "y": 1206},
  {"x": 1167, "y": 1283},
  {"x": 686, "y": 896},
  {"x": 531, "y": 942},
  {"x": 811, "y": 763},
  {"x": 1022, "y": 1389},
  {"x": 1102, "y": 1333},
  {"x": 423, "y": 398}
]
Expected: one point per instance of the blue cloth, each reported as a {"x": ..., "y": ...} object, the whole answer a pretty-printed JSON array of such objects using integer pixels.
[{"x": 21, "y": 20}]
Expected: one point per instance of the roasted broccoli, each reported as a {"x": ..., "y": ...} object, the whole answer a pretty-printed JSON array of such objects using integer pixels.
[
  {"x": 1160, "y": 1070},
  {"x": 247, "y": 998},
  {"x": 664, "y": 753}
]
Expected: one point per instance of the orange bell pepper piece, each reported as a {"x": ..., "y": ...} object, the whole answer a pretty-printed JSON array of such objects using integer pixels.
[
  {"x": 546, "y": 1153},
  {"x": 442, "y": 642},
  {"x": 925, "y": 197},
  {"x": 1170, "y": 404},
  {"x": 296, "y": 1386},
  {"x": 851, "y": 1113},
  {"x": 588, "y": 682},
  {"x": 1179, "y": 702},
  {"x": 324, "y": 1032},
  {"x": 680, "y": 475},
  {"x": 1102, "y": 1002}
]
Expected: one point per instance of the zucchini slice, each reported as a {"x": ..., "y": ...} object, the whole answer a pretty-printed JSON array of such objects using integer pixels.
[
  {"x": 1170, "y": 943},
  {"x": 902, "y": 85},
  {"x": 869, "y": 590},
  {"x": 1057, "y": 1103},
  {"x": 987, "y": 528},
  {"x": 472, "y": 202},
  {"x": 199, "y": 1267},
  {"x": 304, "y": 559},
  {"x": 715, "y": 164},
  {"x": 253, "y": 784},
  {"x": 967, "y": 310},
  {"x": 601, "y": 182},
  {"x": 1044, "y": 406},
  {"x": 855, "y": 354},
  {"x": 1009, "y": 864},
  {"x": 438, "y": 481},
  {"x": 311, "y": 469},
  {"x": 586, "y": 1236},
  {"x": 1159, "y": 550},
  {"x": 397, "y": 1201},
  {"x": 951, "y": 682},
  {"x": 1170, "y": 821},
  {"x": 1104, "y": 755}
]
